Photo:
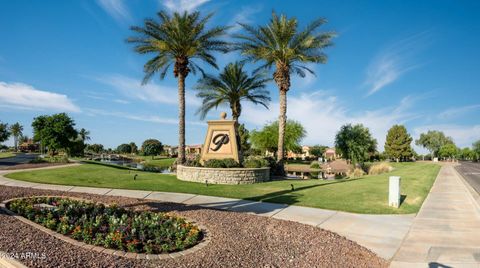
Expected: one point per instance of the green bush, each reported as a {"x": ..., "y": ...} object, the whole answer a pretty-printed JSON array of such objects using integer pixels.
[
  {"x": 221, "y": 163},
  {"x": 110, "y": 226},
  {"x": 315, "y": 165},
  {"x": 255, "y": 162}
]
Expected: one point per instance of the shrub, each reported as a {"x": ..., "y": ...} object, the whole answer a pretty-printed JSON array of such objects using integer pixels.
[
  {"x": 110, "y": 226},
  {"x": 315, "y": 165},
  {"x": 380, "y": 168},
  {"x": 255, "y": 162},
  {"x": 221, "y": 163},
  {"x": 193, "y": 161},
  {"x": 356, "y": 173}
]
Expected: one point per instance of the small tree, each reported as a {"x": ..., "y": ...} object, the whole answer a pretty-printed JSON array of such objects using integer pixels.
[
  {"x": 466, "y": 154},
  {"x": 449, "y": 151},
  {"x": 16, "y": 131},
  {"x": 95, "y": 148},
  {"x": 476, "y": 150},
  {"x": 266, "y": 139},
  {"x": 152, "y": 147},
  {"x": 124, "y": 148},
  {"x": 433, "y": 140},
  {"x": 244, "y": 136},
  {"x": 397, "y": 144},
  {"x": 318, "y": 150},
  {"x": 4, "y": 133},
  {"x": 134, "y": 148},
  {"x": 355, "y": 143},
  {"x": 56, "y": 131}
]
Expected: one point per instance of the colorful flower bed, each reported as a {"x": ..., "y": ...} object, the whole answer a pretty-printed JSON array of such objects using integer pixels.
[{"x": 109, "y": 226}]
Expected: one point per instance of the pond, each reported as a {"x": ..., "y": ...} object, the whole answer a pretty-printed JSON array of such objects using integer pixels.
[{"x": 131, "y": 164}]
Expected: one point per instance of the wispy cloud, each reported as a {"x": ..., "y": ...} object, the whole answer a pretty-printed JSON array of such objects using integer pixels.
[
  {"x": 463, "y": 135},
  {"x": 393, "y": 62},
  {"x": 22, "y": 96},
  {"x": 458, "y": 111},
  {"x": 143, "y": 118},
  {"x": 322, "y": 124},
  {"x": 245, "y": 16},
  {"x": 182, "y": 5},
  {"x": 151, "y": 92},
  {"x": 117, "y": 9}
]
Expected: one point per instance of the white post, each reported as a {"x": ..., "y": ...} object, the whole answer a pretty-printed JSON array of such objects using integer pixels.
[{"x": 394, "y": 191}]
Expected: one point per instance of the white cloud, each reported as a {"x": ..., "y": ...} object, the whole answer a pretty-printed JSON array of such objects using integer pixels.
[
  {"x": 22, "y": 96},
  {"x": 143, "y": 118},
  {"x": 394, "y": 61},
  {"x": 116, "y": 8},
  {"x": 457, "y": 111},
  {"x": 244, "y": 16},
  {"x": 151, "y": 92},
  {"x": 183, "y": 5},
  {"x": 462, "y": 135},
  {"x": 322, "y": 115}
]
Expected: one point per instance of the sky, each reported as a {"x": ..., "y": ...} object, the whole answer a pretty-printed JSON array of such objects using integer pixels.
[{"x": 393, "y": 62}]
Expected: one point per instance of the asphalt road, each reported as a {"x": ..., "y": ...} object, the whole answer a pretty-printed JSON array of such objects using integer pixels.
[
  {"x": 20, "y": 158},
  {"x": 471, "y": 172}
]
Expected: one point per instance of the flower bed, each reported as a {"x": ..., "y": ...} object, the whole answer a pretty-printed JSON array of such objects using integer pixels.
[{"x": 110, "y": 226}]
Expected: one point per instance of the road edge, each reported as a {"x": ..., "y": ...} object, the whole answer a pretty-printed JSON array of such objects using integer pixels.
[{"x": 473, "y": 194}]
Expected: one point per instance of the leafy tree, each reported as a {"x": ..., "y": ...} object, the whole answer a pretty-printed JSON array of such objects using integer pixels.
[
  {"x": 466, "y": 154},
  {"x": 355, "y": 143},
  {"x": 267, "y": 138},
  {"x": 476, "y": 149},
  {"x": 280, "y": 45},
  {"x": 124, "y": 148},
  {"x": 178, "y": 40},
  {"x": 230, "y": 88},
  {"x": 448, "y": 150},
  {"x": 318, "y": 150},
  {"x": 398, "y": 143},
  {"x": 152, "y": 147},
  {"x": 56, "y": 131},
  {"x": 4, "y": 132},
  {"x": 433, "y": 140},
  {"x": 244, "y": 136},
  {"x": 95, "y": 148},
  {"x": 134, "y": 147},
  {"x": 84, "y": 135},
  {"x": 16, "y": 131}
]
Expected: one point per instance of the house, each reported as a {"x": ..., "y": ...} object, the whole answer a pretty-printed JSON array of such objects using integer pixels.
[
  {"x": 195, "y": 149},
  {"x": 29, "y": 146},
  {"x": 330, "y": 154},
  {"x": 305, "y": 153}
]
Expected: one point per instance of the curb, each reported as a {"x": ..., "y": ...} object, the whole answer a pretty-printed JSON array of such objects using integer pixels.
[
  {"x": 473, "y": 194},
  {"x": 120, "y": 253}
]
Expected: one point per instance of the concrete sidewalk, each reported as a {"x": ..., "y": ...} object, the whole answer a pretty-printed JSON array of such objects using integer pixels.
[
  {"x": 446, "y": 231},
  {"x": 382, "y": 234}
]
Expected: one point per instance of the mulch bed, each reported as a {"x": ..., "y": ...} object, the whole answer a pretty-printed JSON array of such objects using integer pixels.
[
  {"x": 237, "y": 240},
  {"x": 37, "y": 165}
]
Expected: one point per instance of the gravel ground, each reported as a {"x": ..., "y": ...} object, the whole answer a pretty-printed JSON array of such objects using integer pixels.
[{"x": 238, "y": 240}]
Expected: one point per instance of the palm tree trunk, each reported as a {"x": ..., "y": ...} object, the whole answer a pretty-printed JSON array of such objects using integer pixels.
[
  {"x": 15, "y": 142},
  {"x": 181, "y": 118},
  {"x": 237, "y": 137},
  {"x": 282, "y": 121}
]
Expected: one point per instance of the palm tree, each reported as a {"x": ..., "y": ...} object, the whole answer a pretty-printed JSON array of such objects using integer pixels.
[
  {"x": 281, "y": 46},
  {"x": 84, "y": 134},
  {"x": 231, "y": 87},
  {"x": 178, "y": 39},
  {"x": 16, "y": 130}
]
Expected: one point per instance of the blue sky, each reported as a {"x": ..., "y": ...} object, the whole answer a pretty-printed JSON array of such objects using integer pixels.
[{"x": 393, "y": 62}]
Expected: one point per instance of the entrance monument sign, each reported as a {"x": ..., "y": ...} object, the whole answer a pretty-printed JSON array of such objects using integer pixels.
[{"x": 221, "y": 141}]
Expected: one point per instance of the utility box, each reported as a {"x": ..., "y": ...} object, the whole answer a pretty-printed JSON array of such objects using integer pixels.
[{"x": 394, "y": 191}]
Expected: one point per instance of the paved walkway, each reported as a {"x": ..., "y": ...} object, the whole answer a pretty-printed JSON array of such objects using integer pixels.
[
  {"x": 383, "y": 234},
  {"x": 446, "y": 231}
]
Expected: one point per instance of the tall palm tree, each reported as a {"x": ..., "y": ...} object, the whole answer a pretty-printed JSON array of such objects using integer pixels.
[
  {"x": 17, "y": 131},
  {"x": 279, "y": 45},
  {"x": 232, "y": 87},
  {"x": 178, "y": 39},
  {"x": 84, "y": 134}
]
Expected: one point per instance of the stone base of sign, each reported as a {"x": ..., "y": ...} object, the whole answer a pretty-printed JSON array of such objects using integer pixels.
[{"x": 223, "y": 175}]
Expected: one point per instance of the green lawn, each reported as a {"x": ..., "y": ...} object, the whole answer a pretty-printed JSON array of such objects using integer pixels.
[
  {"x": 160, "y": 162},
  {"x": 368, "y": 194},
  {"x": 6, "y": 154}
]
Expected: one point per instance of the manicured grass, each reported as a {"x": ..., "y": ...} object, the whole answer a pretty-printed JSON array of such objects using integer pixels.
[
  {"x": 160, "y": 162},
  {"x": 368, "y": 194},
  {"x": 6, "y": 154}
]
